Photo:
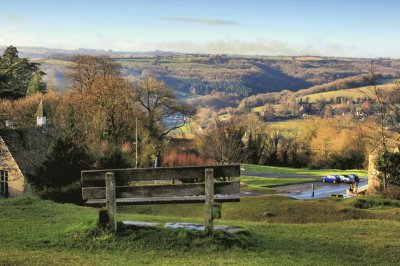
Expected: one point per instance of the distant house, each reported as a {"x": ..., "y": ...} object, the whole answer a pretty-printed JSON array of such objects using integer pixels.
[
  {"x": 41, "y": 115},
  {"x": 20, "y": 150}
]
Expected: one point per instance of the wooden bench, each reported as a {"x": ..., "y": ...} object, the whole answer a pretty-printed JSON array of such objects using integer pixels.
[{"x": 192, "y": 184}]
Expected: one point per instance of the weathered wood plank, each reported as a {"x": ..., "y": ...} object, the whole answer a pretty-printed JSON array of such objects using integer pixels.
[
  {"x": 209, "y": 201},
  {"x": 224, "y": 188},
  {"x": 166, "y": 200},
  {"x": 124, "y": 176}
]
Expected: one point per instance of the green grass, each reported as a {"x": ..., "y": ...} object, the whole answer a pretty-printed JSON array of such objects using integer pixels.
[
  {"x": 277, "y": 107},
  {"x": 299, "y": 171},
  {"x": 355, "y": 93},
  {"x": 266, "y": 184},
  {"x": 288, "y": 124},
  {"x": 279, "y": 231}
]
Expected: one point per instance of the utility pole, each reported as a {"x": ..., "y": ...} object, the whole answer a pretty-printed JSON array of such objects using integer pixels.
[{"x": 136, "y": 145}]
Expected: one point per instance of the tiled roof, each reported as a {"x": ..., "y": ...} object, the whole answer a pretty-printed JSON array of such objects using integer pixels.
[{"x": 28, "y": 146}]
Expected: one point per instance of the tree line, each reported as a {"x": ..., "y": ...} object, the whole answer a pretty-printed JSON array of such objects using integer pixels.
[
  {"x": 94, "y": 123},
  {"x": 18, "y": 76}
]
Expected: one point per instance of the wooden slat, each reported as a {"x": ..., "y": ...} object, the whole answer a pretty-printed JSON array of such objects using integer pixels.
[
  {"x": 224, "y": 188},
  {"x": 124, "y": 176},
  {"x": 166, "y": 200}
]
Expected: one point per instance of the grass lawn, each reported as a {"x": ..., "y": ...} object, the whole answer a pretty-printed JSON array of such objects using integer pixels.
[
  {"x": 280, "y": 231},
  {"x": 299, "y": 171},
  {"x": 266, "y": 184}
]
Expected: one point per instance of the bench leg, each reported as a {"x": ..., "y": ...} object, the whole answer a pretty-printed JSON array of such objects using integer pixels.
[
  {"x": 217, "y": 209},
  {"x": 103, "y": 217},
  {"x": 209, "y": 202},
  {"x": 111, "y": 202}
]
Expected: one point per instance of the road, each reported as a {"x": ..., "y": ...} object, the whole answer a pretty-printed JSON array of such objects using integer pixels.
[{"x": 304, "y": 190}]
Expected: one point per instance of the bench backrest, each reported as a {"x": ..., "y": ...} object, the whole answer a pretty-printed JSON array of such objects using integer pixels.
[{"x": 131, "y": 190}]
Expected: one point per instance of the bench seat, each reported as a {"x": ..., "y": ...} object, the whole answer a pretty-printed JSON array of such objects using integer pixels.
[{"x": 160, "y": 200}]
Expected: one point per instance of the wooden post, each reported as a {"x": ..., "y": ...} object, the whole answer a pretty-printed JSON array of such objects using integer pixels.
[
  {"x": 136, "y": 146},
  {"x": 111, "y": 202},
  {"x": 209, "y": 201}
]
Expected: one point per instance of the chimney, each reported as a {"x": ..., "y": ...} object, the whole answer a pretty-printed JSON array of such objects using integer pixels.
[{"x": 40, "y": 115}]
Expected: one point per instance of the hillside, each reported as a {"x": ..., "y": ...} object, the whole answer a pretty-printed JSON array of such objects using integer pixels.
[
  {"x": 362, "y": 92},
  {"x": 197, "y": 75}
]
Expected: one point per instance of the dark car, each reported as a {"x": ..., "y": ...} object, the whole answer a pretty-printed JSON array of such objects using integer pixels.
[
  {"x": 355, "y": 177},
  {"x": 331, "y": 179},
  {"x": 349, "y": 179}
]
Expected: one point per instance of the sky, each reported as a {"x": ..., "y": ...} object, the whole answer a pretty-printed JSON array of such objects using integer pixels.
[{"x": 351, "y": 28}]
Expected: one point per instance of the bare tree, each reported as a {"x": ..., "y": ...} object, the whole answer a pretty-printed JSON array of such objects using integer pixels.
[
  {"x": 225, "y": 143},
  {"x": 160, "y": 105},
  {"x": 113, "y": 108},
  {"x": 86, "y": 69}
]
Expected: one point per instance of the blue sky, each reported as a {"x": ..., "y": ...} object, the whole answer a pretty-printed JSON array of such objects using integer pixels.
[{"x": 288, "y": 27}]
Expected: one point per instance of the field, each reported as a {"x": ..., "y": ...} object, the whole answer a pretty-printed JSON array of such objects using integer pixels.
[
  {"x": 354, "y": 93},
  {"x": 266, "y": 185},
  {"x": 279, "y": 231},
  {"x": 276, "y": 107}
]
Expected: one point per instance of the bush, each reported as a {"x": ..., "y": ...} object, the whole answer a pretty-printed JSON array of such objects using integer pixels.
[
  {"x": 114, "y": 160},
  {"x": 389, "y": 163},
  {"x": 173, "y": 158}
]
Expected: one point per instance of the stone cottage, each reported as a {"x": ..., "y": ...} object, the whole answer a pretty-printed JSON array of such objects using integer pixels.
[{"x": 21, "y": 150}]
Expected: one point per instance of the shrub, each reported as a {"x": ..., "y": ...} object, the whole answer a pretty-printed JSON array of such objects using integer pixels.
[
  {"x": 173, "y": 158},
  {"x": 114, "y": 160}
]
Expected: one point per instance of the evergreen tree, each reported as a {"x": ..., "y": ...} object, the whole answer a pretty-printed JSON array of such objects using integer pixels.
[
  {"x": 16, "y": 74},
  {"x": 36, "y": 85},
  {"x": 252, "y": 149},
  {"x": 58, "y": 177},
  {"x": 388, "y": 165}
]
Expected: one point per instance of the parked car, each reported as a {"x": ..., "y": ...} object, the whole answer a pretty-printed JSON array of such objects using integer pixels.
[
  {"x": 355, "y": 177},
  {"x": 331, "y": 179},
  {"x": 349, "y": 179}
]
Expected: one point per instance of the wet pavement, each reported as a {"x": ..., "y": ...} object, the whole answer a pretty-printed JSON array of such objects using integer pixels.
[
  {"x": 322, "y": 190},
  {"x": 304, "y": 190}
]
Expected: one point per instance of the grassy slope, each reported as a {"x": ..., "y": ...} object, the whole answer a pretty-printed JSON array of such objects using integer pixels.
[
  {"x": 266, "y": 184},
  {"x": 277, "y": 107},
  {"x": 299, "y": 171},
  {"x": 355, "y": 93},
  {"x": 33, "y": 231}
]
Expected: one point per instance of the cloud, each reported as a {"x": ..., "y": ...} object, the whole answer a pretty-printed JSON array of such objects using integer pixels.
[
  {"x": 13, "y": 19},
  {"x": 203, "y": 21},
  {"x": 256, "y": 47}
]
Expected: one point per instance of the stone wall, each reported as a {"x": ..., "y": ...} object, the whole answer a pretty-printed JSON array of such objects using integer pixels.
[{"x": 16, "y": 180}]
